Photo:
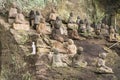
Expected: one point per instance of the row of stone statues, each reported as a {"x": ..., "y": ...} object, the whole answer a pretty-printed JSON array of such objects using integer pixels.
[
  {"x": 75, "y": 59},
  {"x": 73, "y": 29},
  {"x": 69, "y": 55}
]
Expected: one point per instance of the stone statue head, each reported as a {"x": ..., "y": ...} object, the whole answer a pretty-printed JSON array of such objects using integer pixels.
[
  {"x": 58, "y": 18},
  {"x": 55, "y": 51},
  {"x": 78, "y": 17},
  {"x": 14, "y": 5},
  {"x": 102, "y": 55},
  {"x": 42, "y": 20},
  {"x": 71, "y": 14},
  {"x": 19, "y": 10},
  {"x": 37, "y": 13},
  {"x": 70, "y": 41},
  {"x": 53, "y": 10},
  {"x": 80, "y": 49}
]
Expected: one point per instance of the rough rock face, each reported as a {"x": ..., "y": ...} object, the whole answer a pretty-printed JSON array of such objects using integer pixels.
[{"x": 17, "y": 63}]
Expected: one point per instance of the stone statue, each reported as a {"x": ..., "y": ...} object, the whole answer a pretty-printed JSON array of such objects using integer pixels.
[
  {"x": 71, "y": 22},
  {"x": 58, "y": 59},
  {"x": 71, "y": 48},
  {"x": 37, "y": 19},
  {"x": 78, "y": 21},
  {"x": 101, "y": 67},
  {"x": 89, "y": 29},
  {"x": 31, "y": 18},
  {"x": 98, "y": 28},
  {"x": 78, "y": 59},
  {"x": 12, "y": 13},
  {"x": 42, "y": 28},
  {"x": 52, "y": 17},
  {"x": 56, "y": 32},
  {"x": 112, "y": 34},
  {"x": 20, "y": 22},
  {"x": 72, "y": 28},
  {"x": 104, "y": 30}
]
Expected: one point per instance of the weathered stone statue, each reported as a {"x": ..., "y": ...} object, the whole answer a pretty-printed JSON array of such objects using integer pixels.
[
  {"x": 37, "y": 19},
  {"x": 20, "y": 22},
  {"x": 12, "y": 13},
  {"x": 89, "y": 29},
  {"x": 104, "y": 30},
  {"x": 58, "y": 59},
  {"x": 78, "y": 21},
  {"x": 72, "y": 28},
  {"x": 52, "y": 17},
  {"x": 71, "y": 22},
  {"x": 83, "y": 28},
  {"x": 42, "y": 28},
  {"x": 71, "y": 48},
  {"x": 98, "y": 28},
  {"x": 101, "y": 67},
  {"x": 31, "y": 18},
  {"x": 112, "y": 34},
  {"x": 78, "y": 59},
  {"x": 56, "y": 32},
  {"x": 60, "y": 25}
]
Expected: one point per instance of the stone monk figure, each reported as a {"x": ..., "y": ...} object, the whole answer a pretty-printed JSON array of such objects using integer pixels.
[
  {"x": 52, "y": 17},
  {"x": 20, "y": 22},
  {"x": 12, "y": 13},
  {"x": 42, "y": 28}
]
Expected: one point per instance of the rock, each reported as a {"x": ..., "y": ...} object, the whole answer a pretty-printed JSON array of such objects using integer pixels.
[
  {"x": 102, "y": 70},
  {"x": 72, "y": 26},
  {"x": 25, "y": 27},
  {"x": 20, "y": 36}
]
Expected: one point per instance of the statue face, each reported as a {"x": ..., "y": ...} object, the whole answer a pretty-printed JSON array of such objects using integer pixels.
[{"x": 14, "y": 5}]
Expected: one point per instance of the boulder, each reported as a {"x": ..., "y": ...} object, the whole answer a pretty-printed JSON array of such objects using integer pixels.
[{"x": 25, "y": 27}]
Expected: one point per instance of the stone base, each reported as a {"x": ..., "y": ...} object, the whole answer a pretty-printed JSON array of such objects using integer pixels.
[
  {"x": 72, "y": 26},
  {"x": 43, "y": 50},
  {"x": 11, "y": 21},
  {"x": 104, "y": 71},
  {"x": 25, "y": 27}
]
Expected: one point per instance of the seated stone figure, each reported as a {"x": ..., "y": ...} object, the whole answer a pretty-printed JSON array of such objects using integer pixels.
[
  {"x": 104, "y": 30},
  {"x": 83, "y": 28},
  {"x": 71, "y": 22},
  {"x": 42, "y": 28},
  {"x": 56, "y": 32},
  {"x": 101, "y": 67},
  {"x": 71, "y": 48},
  {"x": 12, "y": 13},
  {"x": 78, "y": 59},
  {"x": 31, "y": 18},
  {"x": 112, "y": 34},
  {"x": 20, "y": 22},
  {"x": 37, "y": 19},
  {"x": 89, "y": 29},
  {"x": 78, "y": 21},
  {"x": 52, "y": 17},
  {"x": 58, "y": 59},
  {"x": 72, "y": 28},
  {"x": 61, "y": 26},
  {"x": 98, "y": 28}
]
